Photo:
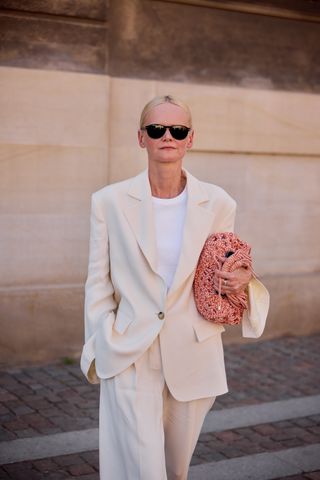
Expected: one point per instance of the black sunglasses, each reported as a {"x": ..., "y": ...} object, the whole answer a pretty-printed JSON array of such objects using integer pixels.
[{"x": 155, "y": 130}]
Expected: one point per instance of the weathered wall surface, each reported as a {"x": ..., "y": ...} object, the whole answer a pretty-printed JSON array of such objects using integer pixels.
[
  {"x": 62, "y": 118},
  {"x": 53, "y": 154},
  {"x": 58, "y": 148},
  {"x": 167, "y": 40}
]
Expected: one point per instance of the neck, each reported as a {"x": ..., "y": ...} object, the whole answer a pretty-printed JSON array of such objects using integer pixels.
[{"x": 166, "y": 181}]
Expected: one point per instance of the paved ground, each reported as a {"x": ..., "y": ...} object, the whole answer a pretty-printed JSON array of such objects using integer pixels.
[{"x": 43, "y": 402}]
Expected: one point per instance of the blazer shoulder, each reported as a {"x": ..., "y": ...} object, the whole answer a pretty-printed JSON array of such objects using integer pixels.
[{"x": 216, "y": 193}]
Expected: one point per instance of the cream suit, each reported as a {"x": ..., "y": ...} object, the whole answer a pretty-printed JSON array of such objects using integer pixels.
[{"x": 127, "y": 304}]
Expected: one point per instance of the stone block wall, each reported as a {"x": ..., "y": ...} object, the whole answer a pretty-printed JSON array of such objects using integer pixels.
[{"x": 73, "y": 79}]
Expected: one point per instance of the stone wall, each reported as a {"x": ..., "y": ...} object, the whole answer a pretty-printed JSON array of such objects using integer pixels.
[
  {"x": 184, "y": 41},
  {"x": 62, "y": 114}
]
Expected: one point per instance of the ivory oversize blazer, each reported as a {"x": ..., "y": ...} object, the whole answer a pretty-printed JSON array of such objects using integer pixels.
[{"x": 127, "y": 304}]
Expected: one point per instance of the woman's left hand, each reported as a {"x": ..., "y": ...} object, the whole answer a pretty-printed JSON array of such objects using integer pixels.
[{"x": 232, "y": 283}]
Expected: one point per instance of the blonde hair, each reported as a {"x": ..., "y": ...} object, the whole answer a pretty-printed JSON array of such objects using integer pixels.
[{"x": 164, "y": 99}]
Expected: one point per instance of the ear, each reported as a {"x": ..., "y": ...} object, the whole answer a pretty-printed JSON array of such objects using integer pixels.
[
  {"x": 190, "y": 139},
  {"x": 141, "y": 139}
]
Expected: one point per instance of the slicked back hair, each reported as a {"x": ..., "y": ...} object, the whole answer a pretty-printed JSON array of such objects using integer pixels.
[{"x": 159, "y": 101}]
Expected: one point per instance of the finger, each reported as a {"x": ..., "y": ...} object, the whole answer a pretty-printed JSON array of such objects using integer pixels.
[
  {"x": 229, "y": 287},
  {"x": 224, "y": 288},
  {"x": 224, "y": 275}
]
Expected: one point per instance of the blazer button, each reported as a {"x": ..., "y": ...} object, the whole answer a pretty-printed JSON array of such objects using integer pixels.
[{"x": 161, "y": 315}]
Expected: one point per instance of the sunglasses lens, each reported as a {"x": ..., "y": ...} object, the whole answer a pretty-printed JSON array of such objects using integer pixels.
[
  {"x": 179, "y": 132},
  {"x": 155, "y": 131}
]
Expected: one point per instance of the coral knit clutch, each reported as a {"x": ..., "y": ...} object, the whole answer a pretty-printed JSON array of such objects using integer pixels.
[{"x": 212, "y": 305}]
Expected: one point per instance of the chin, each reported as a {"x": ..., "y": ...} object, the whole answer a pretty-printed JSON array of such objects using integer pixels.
[
  {"x": 169, "y": 155},
  {"x": 168, "y": 159}
]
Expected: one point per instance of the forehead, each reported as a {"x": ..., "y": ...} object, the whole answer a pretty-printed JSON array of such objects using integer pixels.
[{"x": 167, "y": 114}]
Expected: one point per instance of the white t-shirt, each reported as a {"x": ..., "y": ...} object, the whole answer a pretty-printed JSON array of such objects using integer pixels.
[{"x": 169, "y": 214}]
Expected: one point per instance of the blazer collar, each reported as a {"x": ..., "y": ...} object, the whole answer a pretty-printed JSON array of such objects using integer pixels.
[
  {"x": 139, "y": 213},
  {"x": 140, "y": 189}
]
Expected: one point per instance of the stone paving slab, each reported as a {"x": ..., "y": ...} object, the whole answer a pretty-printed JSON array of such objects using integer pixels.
[
  {"x": 248, "y": 415},
  {"x": 85, "y": 466},
  {"x": 271, "y": 370},
  {"x": 309, "y": 476},
  {"x": 47, "y": 446},
  {"x": 271, "y": 437},
  {"x": 225, "y": 433},
  {"x": 261, "y": 466},
  {"x": 212, "y": 447},
  {"x": 51, "y": 399},
  {"x": 57, "y": 398}
]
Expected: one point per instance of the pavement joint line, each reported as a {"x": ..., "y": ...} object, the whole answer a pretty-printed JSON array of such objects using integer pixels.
[
  {"x": 261, "y": 466},
  {"x": 65, "y": 443},
  {"x": 249, "y": 415},
  {"x": 47, "y": 446}
]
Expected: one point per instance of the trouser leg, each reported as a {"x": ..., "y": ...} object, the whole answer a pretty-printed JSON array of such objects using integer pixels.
[
  {"x": 182, "y": 426},
  {"x": 118, "y": 450},
  {"x": 131, "y": 430},
  {"x": 145, "y": 433}
]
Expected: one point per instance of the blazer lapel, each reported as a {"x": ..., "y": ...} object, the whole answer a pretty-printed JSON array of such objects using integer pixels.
[
  {"x": 198, "y": 223},
  {"x": 139, "y": 213}
]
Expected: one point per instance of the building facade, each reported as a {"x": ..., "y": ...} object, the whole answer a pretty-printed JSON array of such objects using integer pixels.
[{"x": 74, "y": 77}]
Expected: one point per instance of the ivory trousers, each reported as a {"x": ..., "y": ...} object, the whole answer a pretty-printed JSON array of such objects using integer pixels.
[{"x": 144, "y": 432}]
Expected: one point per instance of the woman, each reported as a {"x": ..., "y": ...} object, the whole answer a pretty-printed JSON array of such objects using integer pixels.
[{"x": 159, "y": 363}]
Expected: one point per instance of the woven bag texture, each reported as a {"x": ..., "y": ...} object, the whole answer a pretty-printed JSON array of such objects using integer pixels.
[{"x": 212, "y": 305}]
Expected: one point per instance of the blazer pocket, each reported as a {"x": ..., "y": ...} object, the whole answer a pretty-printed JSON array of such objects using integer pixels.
[
  {"x": 122, "y": 322},
  {"x": 205, "y": 330}
]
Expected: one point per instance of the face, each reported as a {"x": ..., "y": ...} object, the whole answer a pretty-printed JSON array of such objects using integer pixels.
[{"x": 166, "y": 149}]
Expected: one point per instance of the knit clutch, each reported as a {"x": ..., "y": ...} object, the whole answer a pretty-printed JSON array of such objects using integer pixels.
[{"x": 212, "y": 305}]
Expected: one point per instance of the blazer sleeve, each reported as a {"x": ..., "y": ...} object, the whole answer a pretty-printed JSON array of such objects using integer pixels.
[
  {"x": 254, "y": 319},
  {"x": 99, "y": 291}
]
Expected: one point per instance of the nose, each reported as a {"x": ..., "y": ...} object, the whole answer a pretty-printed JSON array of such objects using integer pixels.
[{"x": 167, "y": 135}]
